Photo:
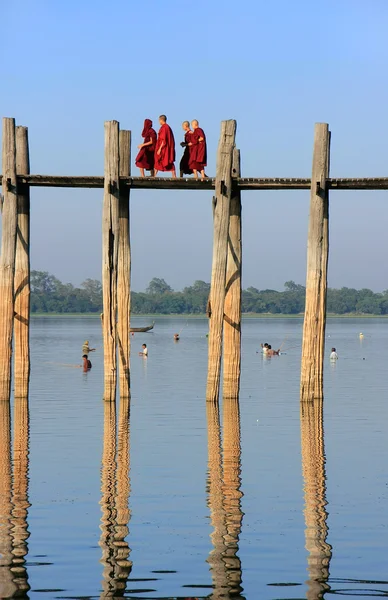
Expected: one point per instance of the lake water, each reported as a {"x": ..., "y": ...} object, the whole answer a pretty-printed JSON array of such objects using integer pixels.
[{"x": 185, "y": 504}]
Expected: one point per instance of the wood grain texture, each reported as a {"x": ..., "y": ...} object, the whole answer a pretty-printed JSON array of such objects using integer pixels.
[
  {"x": 313, "y": 346},
  {"x": 124, "y": 270},
  {"x": 232, "y": 309},
  {"x": 22, "y": 272},
  {"x": 7, "y": 256},
  {"x": 223, "y": 190},
  {"x": 110, "y": 235}
]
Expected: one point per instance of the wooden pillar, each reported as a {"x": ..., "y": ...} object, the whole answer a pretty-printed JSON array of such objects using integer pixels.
[
  {"x": 220, "y": 252},
  {"x": 7, "y": 257},
  {"x": 110, "y": 234},
  {"x": 22, "y": 271},
  {"x": 313, "y": 346},
  {"x": 124, "y": 269},
  {"x": 232, "y": 309},
  {"x": 314, "y": 475}
]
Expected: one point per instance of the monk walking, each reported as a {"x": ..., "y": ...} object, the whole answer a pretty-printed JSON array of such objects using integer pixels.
[
  {"x": 165, "y": 148},
  {"x": 146, "y": 156},
  {"x": 184, "y": 164},
  {"x": 198, "y": 154}
]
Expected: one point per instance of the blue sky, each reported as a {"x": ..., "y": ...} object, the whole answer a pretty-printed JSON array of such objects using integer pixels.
[{"x": 276, "y": 67}]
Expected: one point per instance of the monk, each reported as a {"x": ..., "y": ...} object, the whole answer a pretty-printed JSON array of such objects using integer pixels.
[
  {"x": 146, "y": 157},
  {"x": 165, "y": 148},
  {"x": 198, "y": 154},
  {"x": 184, "y": 164}
]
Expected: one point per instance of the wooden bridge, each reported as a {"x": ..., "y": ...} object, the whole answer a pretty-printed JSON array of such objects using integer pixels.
[{"x": 224, "y": 307}]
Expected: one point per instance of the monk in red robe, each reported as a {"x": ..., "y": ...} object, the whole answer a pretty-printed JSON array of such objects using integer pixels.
[
  {"x": 198, "y": 154},
  {"x": 165, "y": 148},
  {"x": 184, "y": 164},
  {"x": 146, "y": 156}
]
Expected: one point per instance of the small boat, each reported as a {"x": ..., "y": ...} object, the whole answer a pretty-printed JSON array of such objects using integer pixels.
[{"x": 142, "y": 329}]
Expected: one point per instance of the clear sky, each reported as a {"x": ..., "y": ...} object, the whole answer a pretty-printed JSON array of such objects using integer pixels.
[{"x": 276, "y": 67}]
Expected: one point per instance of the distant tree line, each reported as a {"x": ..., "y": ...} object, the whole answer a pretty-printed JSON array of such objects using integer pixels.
[{"x": 49, "y": 295}]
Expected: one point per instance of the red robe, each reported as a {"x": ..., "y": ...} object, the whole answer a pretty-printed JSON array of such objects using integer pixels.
[
  {"x": 165, "y": 161},
  {"x": 198, "y": 155},
  {"x": 145, "y": 157},
  {"x": 185, "y": 160}
]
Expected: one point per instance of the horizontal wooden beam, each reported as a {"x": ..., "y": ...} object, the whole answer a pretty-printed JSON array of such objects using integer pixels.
[{"x": 166, "y": 183}]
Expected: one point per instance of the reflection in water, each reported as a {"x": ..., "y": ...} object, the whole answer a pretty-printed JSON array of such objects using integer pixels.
[
  {"x": 115, "y": 489},
  {"x": 224, "y": 499},
  {"x": 314, "y": 474},
  {"x": 21, "y": 505},
  {"x": 14, "y": 501}
]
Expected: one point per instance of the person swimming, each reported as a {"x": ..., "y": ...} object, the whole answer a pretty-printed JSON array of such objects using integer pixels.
[{"x": 176, "y": 337}]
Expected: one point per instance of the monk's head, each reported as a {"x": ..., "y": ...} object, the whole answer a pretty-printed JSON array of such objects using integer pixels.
[
  {"x": 185, "y": 126},
  {"x": 194, "y": 124},
  {"x": 162, "y": 119}
]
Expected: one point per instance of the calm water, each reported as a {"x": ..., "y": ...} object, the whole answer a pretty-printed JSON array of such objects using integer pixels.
[{"x": 182, "y": 505}]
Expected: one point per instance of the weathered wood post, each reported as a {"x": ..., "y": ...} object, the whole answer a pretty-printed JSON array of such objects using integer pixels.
[
  {"x": 110, "y": 235},
  {"x": 22, "y": 271},
  {"x": 7, "y": 257},
  {"x": 232, "y": 309},
  {"x": 314, "y": 475},
  {"x": 223, "y": 194},
  {"x": 313, "y": 346},
  {"x": 124, "y": 269}
]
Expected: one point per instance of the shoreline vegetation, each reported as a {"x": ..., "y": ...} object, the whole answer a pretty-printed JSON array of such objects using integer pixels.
[{"x": 51, "y": 297}]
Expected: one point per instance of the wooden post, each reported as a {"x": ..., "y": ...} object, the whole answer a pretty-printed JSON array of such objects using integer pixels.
[
  {"x": 110, "y": 234},
  {"x": 232, "y": 310},
  {"x": 220, "y": 252},
  {"x": 7, "y": 257},
  {"x": 124, "y": 269},
  {"x": 22, "y": 271},
  {"x": 314, "y": 475},
  {"x": 313, "y": 346}
]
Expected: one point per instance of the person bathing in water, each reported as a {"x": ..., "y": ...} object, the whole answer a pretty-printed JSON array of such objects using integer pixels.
[
  {"x": 144, "y": 352},
  {"x": 271, "y": 352},
  {"x": 86, "y": 364}
]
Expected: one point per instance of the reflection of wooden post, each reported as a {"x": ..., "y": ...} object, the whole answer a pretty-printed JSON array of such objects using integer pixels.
[
  {"x": 110, "y": 234},
  {"x": 220, "y": 253},
  {"x": 22, "y": 271},
  {"x": 7, "y": 256},
  {"x": 232, "y": 310},
  {"x": 232, "y": 493},
  {"x": 313, "y": 464},
  {"x": 124, "y": 270},
  {"x": 20, "y": 502},
  {"x": 7, "y": 585},
  {"x": 215, "y": 499},
  {"x": 316, "y": 281},
  {"x": 123, "y": 515},
  {"x": 108, "y": 495}
]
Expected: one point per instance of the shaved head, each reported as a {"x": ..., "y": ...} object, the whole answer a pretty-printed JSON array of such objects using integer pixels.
[
  {"x": 163, "y": 118},
  {"x": 186, "y": 123},
  {"x": 194, "y": 124}
]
